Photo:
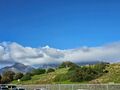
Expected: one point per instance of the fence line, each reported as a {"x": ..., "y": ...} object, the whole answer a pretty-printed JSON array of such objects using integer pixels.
[{"x": 72, "y": 87}]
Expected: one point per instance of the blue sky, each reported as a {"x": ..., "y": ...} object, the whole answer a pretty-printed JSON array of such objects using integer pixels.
[{"x": 60, "y": 24}]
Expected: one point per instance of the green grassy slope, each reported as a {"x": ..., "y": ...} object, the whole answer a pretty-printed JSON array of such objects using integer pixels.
[
  {"x": 43, "y": 78},
  {"x": 112, "y": 76}
]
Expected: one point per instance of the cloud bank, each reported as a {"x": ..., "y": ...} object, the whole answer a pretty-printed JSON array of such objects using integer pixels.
[{"x": 11, "y": 52}]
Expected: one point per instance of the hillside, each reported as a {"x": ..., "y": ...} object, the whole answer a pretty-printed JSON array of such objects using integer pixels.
[
  {"x": 43, "y": 78},
  {"x": 113, "y": 75}
]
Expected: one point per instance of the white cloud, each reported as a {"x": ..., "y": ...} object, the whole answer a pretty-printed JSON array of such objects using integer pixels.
[{"x": 14, "y": 52}]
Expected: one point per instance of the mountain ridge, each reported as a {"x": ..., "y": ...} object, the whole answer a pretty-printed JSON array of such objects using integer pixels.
[{"x": 17, "y": 67}]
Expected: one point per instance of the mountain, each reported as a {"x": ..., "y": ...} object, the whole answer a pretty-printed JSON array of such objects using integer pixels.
[
  {"x": 46, "y": 66},
  {"x": 55, "y": 65},
  {"x": 17, "y": 67},
  {"x": 87, "y": 63}
]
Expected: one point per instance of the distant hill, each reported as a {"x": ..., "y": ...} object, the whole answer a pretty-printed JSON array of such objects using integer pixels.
[
  {"x": 88, "y": 63},
  {"x": 55, "y": 65},
  {"x": 113, "y": 75},
  {"x": 45, "y": 66},
  {"x": 17, "y": 67}
]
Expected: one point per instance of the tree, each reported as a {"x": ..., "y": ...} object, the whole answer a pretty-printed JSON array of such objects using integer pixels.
[
  {"x": 76, "y": 75},
  {"x": 29, "y": 73},
  {"x": 68, "y": 64},
  {"x": 38, "y": 71},
  {"x": 100, "y": 67},
  {"x": 0, "y": 78},
  {"x": 5, "y": 80},
  {"x": 26, "y": 77},
  {"x": 7, "y": 76},
  {"x": 83, "y": 73},
  {"x": 50, "y": 70},
  {"x": 18, "y": 76}
]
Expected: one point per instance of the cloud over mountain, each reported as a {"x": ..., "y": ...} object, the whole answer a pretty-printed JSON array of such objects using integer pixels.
[{"x": 13, "y": 52}]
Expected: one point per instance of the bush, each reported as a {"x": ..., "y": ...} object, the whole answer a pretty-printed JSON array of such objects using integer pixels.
[
  {"x": 5, "y": 80},
  {"x": 76, "y": 75},
  {"x": 29, "y": 73},
  {"x": 50, "y": 70},
  {"x": 83, "y": 73},
  {"x": 73, "y": 67},
  {"x": 88, "y": 77},
  {"x": 18, "y": 76},
  {"x": 0, "y": 78},
  {"x": 38, "y": 71},
  {"x": 100, "y": 67},
  {"x": 26, "y": 77},
  {"x": 68, "y": 64},
  {"x": 7, "y": 77}
]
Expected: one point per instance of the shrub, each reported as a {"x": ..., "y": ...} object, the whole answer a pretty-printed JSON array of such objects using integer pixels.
[
  {"x": 5, "y": 80},
  {"x": 61, "y": 77},
  {"x": 76, "y": 75},
  {"x": 0, "y": 78},
  {"x": 26, "y": 77},
  {"x": 29, "y": 73},
  {"x": 50, "y": 70},
  {"x": 100, "y": 67},
  {"x": 83, "y": 73},
  {"x": 38, "y": 71},
  {"x": 18, "y": 76},
  {"x": 68, "y": 64},
  {"x": 7, "y": 77}
]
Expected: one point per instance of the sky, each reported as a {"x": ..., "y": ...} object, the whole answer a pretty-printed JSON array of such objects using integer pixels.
[
  {"x": 61, "y": 24},
  {"x": 58, "y": 24}
]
